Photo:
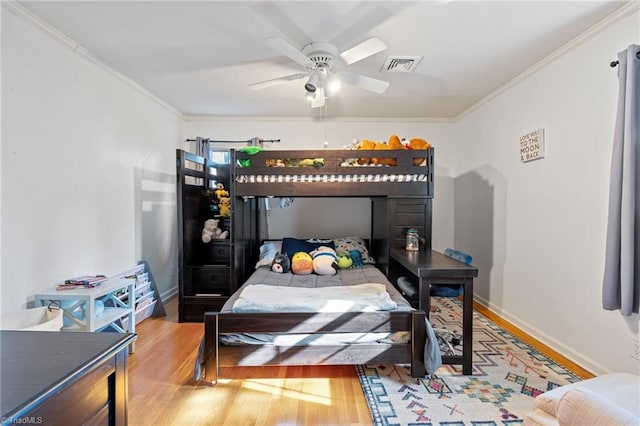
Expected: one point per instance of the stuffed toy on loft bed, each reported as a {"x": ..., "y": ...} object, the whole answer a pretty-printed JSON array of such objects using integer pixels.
[{"x": 394, "y": 142}]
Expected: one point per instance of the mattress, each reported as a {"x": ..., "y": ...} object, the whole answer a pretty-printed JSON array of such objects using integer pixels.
[
  {"x": 361, "y": 275},
  {"x": 353, "y": 276}
]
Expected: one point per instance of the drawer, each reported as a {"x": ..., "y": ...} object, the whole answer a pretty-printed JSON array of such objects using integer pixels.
[
  {"x": 211, "y": 279},
  {"x": 195, "y": 307},
  {"x": 411, "y": 207},
  {"x": 217, "y": 253},
  {"x": 81, "y": 399}
]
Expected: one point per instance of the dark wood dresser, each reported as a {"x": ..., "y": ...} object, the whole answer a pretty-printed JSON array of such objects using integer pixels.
[{"x": 57, "y": 378}]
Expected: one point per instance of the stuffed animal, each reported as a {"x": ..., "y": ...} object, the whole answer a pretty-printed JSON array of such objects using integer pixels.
[
  {"x": 281, "y": 263},
  {"x": 393, "y": 143},
  {"x": 301, "y": 263},
  {"x": 210, "y": 231},
  {"x": 225, "y": 206},
  {"x": 417, "y": 143},
  {"x": 356, "y": 257},
  {"x": 325, "y": 261},
  {"x": 344, "y": 260},
  {"x": 220, "y": 191}
]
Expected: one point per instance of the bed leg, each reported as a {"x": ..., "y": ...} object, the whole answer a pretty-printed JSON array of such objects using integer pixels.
[
  {"x": 418, "y": 342},
  {"x": 211, "y": 340}
]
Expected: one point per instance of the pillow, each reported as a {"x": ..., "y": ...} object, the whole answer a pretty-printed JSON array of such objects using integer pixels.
[
  {"x": 347, "y": 244},
  {"x": 291, "y": 246},
  {"x": 581, "y": 406},
  {"x": 268, "y": 251}
]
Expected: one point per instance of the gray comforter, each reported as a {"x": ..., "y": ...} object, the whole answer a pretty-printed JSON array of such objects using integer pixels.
[{"x": 353, "y": 276}]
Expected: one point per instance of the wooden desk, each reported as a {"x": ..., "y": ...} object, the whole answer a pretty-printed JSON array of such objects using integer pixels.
[
  {"x": 55, "y": 378},
  {"x": 433, "y": 268}
]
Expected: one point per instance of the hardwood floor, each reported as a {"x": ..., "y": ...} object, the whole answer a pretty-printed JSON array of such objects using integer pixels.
[{"x": 162, "y": 390}]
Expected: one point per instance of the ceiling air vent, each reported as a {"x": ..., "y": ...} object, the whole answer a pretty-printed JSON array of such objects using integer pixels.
[{"x": 401, "y": 63}]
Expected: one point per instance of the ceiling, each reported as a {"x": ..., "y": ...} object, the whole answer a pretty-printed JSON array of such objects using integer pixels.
[{"x": 200, "y": 57}]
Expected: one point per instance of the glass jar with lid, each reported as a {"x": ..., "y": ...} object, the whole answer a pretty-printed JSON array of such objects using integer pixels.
[{"x": 413, "y": 240}]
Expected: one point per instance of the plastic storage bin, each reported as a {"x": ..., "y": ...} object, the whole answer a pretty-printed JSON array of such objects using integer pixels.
[{"x": 36, "y": 319}]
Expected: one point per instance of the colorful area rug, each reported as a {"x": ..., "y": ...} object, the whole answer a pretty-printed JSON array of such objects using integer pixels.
[{"x": 507, "y": 375}]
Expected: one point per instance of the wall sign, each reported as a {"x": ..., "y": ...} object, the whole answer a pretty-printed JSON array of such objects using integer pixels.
[{"x": 532, "y": 146}]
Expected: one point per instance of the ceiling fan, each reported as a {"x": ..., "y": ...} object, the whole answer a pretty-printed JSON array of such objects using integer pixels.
[{"x": 323, "y": 65}]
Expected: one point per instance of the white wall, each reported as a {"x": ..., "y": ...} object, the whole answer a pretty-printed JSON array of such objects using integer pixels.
[
  {"x": 88, "y": 175},
  {"x": 537, "y": 230},
  {"x": 338, "y": 217}
]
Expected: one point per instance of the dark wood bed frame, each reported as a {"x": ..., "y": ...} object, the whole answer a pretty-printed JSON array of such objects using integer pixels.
[
  {"x": 216, "y": 323},
  {"x": 217, "y": 355}
]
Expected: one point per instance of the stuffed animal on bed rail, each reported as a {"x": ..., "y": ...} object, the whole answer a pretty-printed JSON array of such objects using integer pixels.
[
  {"x": 210, "y": 231},
  {"x": 281, "y": 263},
  {"x": 325, "y": 261},
  {"x": 301, "y": 263}
]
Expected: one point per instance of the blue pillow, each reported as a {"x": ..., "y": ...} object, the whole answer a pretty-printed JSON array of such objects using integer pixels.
[{"x": 291, "y": 246}]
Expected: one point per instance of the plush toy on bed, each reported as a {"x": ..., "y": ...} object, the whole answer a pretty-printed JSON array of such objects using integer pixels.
[
  {"x": 301, "y": 263},
  {"x": 281, "y": 263},
  {"x": 325, "y": 261},
  {"x": 212, "y": 232},
  {"x": 344, "y": 260},
  {"x": 356, "y": 257}
]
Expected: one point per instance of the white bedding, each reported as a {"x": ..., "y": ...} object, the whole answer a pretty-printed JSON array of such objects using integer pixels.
[{"x": 367, "y": 297}]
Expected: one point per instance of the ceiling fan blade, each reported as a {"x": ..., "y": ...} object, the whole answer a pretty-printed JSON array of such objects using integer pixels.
[
  {"x": 275, "y": 81},
  {"x": 363, "y": 50},
  {"x": 363, "y": 82},
  {"x": 287, "y": 49},
  {"x": 319, "y": 100}
]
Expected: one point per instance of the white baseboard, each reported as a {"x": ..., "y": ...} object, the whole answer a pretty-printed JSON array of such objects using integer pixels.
[
  {"x": 564, "y": 350},
  {"x": 168, "y": 294}
]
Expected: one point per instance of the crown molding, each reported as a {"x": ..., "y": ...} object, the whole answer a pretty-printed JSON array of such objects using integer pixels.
[
  {"x": 624, "y": 11},
  {"x": 229, "y": 118},
  {"x": 27, "y": 16},
  {"x": 16, "y": 9}
]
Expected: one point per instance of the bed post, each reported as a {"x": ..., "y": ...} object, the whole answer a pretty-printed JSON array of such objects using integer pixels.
[
  {"x": 418, "y": 342},
  {"x": 211, "y": 347}
]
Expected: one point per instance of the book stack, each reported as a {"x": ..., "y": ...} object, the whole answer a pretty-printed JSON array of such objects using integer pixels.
[{"x": 84, "y": 281}]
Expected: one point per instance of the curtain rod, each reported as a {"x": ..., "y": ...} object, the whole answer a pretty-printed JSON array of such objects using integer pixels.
[
  {"x": 614, "y": 64},
  {"x": 245, "y": 142}
]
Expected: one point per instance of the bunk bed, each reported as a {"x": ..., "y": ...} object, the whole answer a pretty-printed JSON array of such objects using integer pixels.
[{"x": 390, "y": 178}]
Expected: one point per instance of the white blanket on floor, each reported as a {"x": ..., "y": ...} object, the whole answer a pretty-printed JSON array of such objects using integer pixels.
[{"x": 351, "y": 298}]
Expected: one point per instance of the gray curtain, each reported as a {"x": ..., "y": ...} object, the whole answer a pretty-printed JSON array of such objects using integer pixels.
[
  {"x": 621, "y": 285},
  {"x": 202, "y": 147}
]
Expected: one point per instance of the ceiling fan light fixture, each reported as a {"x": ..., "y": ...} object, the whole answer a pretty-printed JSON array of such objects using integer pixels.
[
  {"x": 333, "y": 85},
  {"x": 312, "y": 83},
  {"x": 310, "y": 96}
]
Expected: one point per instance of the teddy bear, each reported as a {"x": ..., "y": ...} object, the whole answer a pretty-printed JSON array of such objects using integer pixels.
[
  {"x": 394, "y": 142},
  {"x": 225, "y": 206},
  {"x": 301, "y": 263},
  {"x": 210, "y": 231},
  {"x": 281, "y": 263},
  {"x": 418, "y": 143},
  {"x": 325, "y": 261}
]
